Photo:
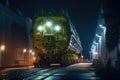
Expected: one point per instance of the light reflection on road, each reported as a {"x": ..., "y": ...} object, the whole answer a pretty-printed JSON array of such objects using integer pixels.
[
  {"x": 79, "y": 71},
  {"x": 81, "y": 65}
]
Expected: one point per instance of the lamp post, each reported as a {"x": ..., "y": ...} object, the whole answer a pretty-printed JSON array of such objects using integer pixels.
[
  {"x": 82, "y": 57},
  {"x": 33, "y": 58},
  {"x": 24, "y": 51},
  {"x": 2, "y": 48},
  {"x": 30, "y": 51}
]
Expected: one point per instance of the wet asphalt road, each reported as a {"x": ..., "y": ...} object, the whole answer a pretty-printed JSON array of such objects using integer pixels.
[
  {"x": 53, "y": 74},
  {"x": 80, "y": 71}
]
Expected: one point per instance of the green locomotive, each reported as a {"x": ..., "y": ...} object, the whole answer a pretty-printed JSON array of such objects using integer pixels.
[{"x": 55, "y": 40}]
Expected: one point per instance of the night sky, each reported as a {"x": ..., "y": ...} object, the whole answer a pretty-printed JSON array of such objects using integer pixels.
[{"x": 83, "y": 14}]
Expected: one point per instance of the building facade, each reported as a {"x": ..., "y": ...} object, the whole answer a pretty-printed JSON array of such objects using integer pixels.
[
  {"x": 14, "y": 38},
  {"x": 107, "y": 47},
  {"x": 111, "y": 15},
  {"x": 98, "y": 48}
]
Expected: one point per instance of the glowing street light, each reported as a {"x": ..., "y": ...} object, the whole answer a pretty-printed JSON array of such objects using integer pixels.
[
  {"x": 33, "y": 53},
  {"x": 2, "y": 48},
  {"x": 30, "y": 51},
  {"x": 34, "y": 58},
  {"x": 24, "y": 50},
  {"x": 82, "y": 57}
]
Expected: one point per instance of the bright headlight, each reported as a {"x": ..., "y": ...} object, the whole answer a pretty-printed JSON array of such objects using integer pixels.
[
  {"x": 57, "y": 28},
  {"x": 48, "y": 24},
  {"x": 39, "y": 28}
]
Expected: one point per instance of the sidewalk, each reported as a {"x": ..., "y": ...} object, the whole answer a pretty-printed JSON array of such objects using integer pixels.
[{"x": 4, "y": 71}]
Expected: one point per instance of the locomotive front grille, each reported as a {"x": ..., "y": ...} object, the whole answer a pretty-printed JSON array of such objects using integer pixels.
[{"x": 49, "y": 41}]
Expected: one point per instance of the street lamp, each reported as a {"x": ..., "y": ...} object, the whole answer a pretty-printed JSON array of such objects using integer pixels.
[
  {"x": 82, "y": 57},
  {"x": 24, "y": 50},
  {"x": 33, "y": 53},
  {"x": 2, "y": 48},
  {"x": 34, "y": 58},
  {"x": 30, "y": 51}
]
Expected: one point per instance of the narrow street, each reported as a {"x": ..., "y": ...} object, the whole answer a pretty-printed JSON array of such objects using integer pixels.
[
  {"x": 59, "y": 40},
  {"x": 80, "y": 71}
]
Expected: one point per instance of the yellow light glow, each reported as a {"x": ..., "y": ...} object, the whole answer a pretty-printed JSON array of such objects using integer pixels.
[
  {"x": 34, "y": 58},
  {"x": 30, "y": 51},
  {"x": 33, "y": 53},
  {"x": 24, "y": 50},
  {"x": 2, "y": 47},
  {"x": 82, "y": 56}
]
